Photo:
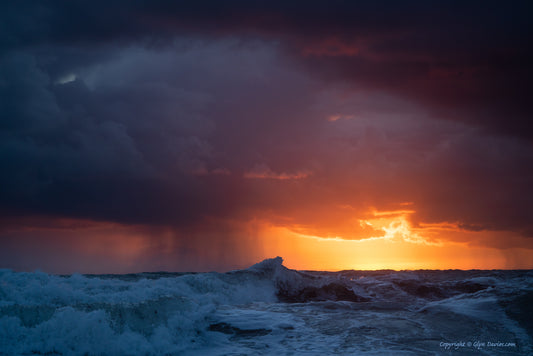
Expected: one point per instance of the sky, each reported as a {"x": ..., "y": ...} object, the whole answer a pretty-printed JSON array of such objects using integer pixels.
[{"x": 209, "y": 135}]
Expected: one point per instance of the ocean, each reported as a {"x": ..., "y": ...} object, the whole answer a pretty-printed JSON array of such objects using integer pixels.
[{"x": 268, "y": 309}]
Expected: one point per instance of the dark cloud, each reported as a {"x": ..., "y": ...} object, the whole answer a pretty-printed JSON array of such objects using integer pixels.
[
  {"x": 167, "y": 114},
  {"x": 145, "y": 136},
  {"x": 468, "y": 61}
]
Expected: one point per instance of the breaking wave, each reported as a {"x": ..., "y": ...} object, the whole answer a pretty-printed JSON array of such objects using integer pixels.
[{"x": 264, "y": 309}]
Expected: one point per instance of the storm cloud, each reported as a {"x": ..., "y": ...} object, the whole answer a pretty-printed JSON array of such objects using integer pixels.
[{"x": 172, "y": 115}]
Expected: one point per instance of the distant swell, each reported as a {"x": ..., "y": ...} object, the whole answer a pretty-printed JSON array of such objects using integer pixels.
[
  {"x": 332, "y": 291},
  {"x": 432, "y": 291}
]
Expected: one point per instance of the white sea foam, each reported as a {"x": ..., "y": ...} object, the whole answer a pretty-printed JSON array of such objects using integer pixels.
[{"x": 265, "y": 309}]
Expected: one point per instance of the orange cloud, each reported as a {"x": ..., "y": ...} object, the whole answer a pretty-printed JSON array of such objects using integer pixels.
[
  {"x": 307, "y": 252},
  {"x": 386, "y": 225}
]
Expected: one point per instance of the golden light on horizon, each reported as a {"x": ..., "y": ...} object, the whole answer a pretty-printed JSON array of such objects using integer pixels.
[
  {"x": 317, "y": 253},
  {"x": 399, "y": 247}
]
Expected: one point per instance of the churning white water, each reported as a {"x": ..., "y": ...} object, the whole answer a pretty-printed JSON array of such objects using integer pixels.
[{"x": 268, "y": 309}]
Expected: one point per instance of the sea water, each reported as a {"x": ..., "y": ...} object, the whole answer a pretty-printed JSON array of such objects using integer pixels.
[{"x": 268, "y": 309}]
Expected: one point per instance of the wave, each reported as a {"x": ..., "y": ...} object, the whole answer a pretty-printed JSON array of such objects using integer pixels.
[
  {"x": 176, "y": 313},
  {"x": 144, "y": 313}
]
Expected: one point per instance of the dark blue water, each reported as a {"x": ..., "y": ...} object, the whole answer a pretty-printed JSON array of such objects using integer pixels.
[{"x": 268, "y": 309}]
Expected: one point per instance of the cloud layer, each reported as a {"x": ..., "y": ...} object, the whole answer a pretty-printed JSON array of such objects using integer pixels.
[{"x": 173, "y": 115}]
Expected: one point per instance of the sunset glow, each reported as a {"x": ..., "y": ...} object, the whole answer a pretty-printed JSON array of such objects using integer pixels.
[
  {"x": 333, "y": 254},
  {"x": 186, "y": 137},
  {"x": 266, "y": 177}
]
